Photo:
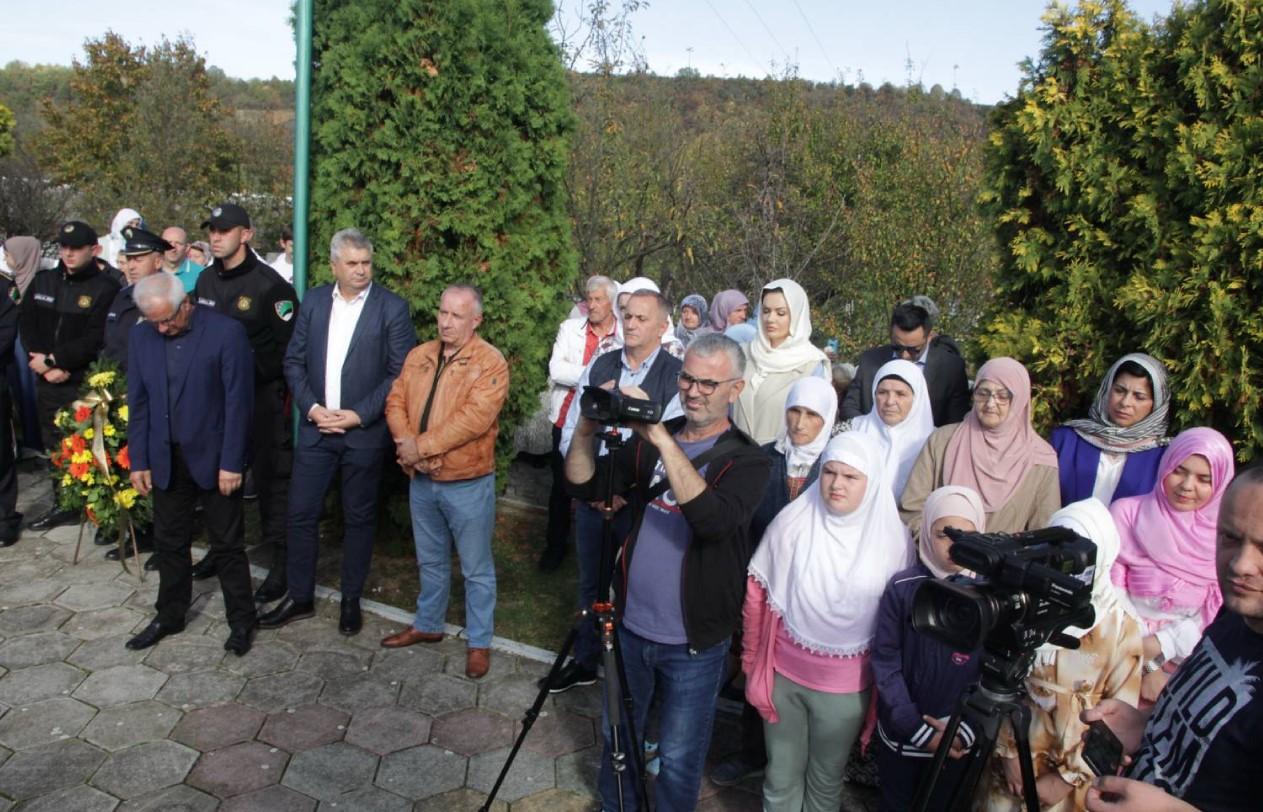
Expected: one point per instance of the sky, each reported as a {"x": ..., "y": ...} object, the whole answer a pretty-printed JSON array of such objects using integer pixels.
[{"x": 974, "y": 46}]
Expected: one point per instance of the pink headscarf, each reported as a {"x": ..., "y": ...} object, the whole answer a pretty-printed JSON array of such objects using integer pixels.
[
  {"x": 724, "y": 303},
  {"x": 994, "y": 461},
  {"x": 1170, "y": 553}
]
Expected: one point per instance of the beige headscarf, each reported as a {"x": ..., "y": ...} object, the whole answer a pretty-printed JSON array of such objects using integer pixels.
[{"x": 22, "y": 255}]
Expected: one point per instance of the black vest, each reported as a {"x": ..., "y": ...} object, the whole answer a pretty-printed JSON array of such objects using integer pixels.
[{"x": 662, "y": 381}]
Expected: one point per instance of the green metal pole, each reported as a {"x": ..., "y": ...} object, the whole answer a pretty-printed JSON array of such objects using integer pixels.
[{"x": 302, "y": 146}]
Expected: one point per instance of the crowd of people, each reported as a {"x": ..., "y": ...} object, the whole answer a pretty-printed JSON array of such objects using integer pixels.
[{"x": 780, "y": 516}]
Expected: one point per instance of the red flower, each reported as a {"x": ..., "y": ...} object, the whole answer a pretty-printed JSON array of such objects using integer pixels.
[
  {"x": 77, "y": 443},
  {"x": 92, "y": 516},
  {"x": 78, "y": 469},
  {"x": 82, "y": 414},
  {"x": 124, "y": 459}
]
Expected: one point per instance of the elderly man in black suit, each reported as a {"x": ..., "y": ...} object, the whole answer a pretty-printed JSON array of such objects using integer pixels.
[
  {"x": 912, "y": 338},
  {"x": 349, "y": 343}
]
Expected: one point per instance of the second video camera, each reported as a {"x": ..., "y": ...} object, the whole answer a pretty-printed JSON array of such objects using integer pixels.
[{"x": 610, "y": 407}]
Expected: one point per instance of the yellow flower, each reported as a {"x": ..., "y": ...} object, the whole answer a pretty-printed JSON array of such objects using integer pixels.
[
  {"x": 101, "y": 379},
  {"x": 82, "y": 456},
  {"x": 67, "y": 480},
  {"x": 126, "y": 497},
  {"x": 122, "y": 412},
  {"x": 62, "y": 419},
  {"x": 89, "y": 433},
  {"x": 109, "y": 430},
  {"x": 88, "y": 478}
]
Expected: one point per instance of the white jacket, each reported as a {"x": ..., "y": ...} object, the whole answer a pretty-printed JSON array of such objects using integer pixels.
[{"x": 566, "y": 366}]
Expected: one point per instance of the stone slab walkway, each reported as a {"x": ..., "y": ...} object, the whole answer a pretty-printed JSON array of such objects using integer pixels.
[{"x": 309, "y": 719}]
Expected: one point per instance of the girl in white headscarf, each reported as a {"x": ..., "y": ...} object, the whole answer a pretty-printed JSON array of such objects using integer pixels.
[
  {"x": 1065, "y": 682},
  {"x": 900, "y": 419},
  {"x": 780, "y": 354},
  {"x": 811, "y": 607},
  {"x": 113, "y": 243}
]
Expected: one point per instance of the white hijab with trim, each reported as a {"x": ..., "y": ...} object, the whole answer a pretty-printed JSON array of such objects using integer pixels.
[{"x": 903, "y": 442}]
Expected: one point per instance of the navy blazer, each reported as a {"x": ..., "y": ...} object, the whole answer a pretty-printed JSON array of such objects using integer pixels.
[
  {"x": 1077, "y": 460},
  {"x": 215, "y": 400},
  {"x": 382, "y": 339}
]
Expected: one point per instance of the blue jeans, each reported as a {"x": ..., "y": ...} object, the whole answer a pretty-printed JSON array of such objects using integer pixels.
[
  {"x": 465, "y": 513},
  {"x": 686, "y": 684},
  {"x": 588, "y": 537}
]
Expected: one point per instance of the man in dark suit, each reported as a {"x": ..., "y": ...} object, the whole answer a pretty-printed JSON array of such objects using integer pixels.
[
  {"x": 190, "y": 393},
  {"x": 349, "y": 343},
  {"x": 912, "y": 338}
]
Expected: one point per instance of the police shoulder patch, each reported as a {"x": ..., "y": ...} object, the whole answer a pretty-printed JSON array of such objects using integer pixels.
[
  {"x": 284, "y": 309},
  {"x": 243, "y": 303}
]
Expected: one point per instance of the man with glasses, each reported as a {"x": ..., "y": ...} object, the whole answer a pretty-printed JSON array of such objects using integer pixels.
[
  {"x": 189, "y": 392},
  {"x": 693, "y": 484},
  {"x": 642, "y": 363},
  {"x": 175, "y": 260},
  {"x": 912, "y": 338}
]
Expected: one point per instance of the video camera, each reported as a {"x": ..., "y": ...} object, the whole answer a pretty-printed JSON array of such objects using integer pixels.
[
  {"x": 610, "y": 407},
  {"x": 1030, "y": 587}
]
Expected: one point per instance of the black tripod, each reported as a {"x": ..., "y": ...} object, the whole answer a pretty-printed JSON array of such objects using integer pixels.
[
  {"x": 618, "y": 701},
  {"x": 987, "y": 703}
]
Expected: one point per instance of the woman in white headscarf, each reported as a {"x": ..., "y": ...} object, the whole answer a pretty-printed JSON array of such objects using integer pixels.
[
  {"x": 112, "y": 243},
  {"x": 780, "y": 354},
  {"x": 1065, "y": 682},
  {"x": 811, "y": 608},
  {"x": 670, "y": 343},
  {"x": 900, "y": 419}
]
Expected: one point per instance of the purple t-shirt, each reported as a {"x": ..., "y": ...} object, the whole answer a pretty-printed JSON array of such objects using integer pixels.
[{"x": 653, "y": 609}]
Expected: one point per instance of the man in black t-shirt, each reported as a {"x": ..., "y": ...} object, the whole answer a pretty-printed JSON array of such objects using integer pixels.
[{"x": 1198, "y": 746}]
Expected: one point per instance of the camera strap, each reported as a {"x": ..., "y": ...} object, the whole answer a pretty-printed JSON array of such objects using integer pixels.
[{"x": 714, "y": 452}]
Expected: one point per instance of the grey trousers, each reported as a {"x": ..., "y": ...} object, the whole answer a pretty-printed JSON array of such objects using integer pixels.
[{"x": 808, "y": 746}]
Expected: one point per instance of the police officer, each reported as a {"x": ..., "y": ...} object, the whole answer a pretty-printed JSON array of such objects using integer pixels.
[
  {"x": 62, "y": 323},
  {"x": 238, "y": 284},
  {"x": 141, "y": 256}
]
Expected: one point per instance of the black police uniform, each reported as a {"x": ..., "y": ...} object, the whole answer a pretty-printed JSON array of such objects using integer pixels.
[
  {"x": 10, "y": 519},
  {"x": 257, "y": 296},
  {"x": 122, "y": 317},
  {"x": 63, "y": 314}
]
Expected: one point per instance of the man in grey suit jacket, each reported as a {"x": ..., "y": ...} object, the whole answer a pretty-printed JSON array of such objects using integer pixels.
[{"x": 348, "y": 346}]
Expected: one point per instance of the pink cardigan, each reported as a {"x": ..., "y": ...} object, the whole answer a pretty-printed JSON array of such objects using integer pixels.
[{"x": 760, "y": 629}]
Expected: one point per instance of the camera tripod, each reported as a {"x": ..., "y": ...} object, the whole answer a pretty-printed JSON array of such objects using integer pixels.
[
  {"x": 617, "y": 699},
  {"x": 988, "y": 703}
]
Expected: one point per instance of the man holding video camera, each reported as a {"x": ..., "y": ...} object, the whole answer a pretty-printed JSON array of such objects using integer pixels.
[
  {"x": 692, "y": 484},
  {"x": 1198, "y": 746}
]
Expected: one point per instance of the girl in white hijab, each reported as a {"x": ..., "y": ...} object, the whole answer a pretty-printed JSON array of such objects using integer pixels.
[
  {"x": 811, "y": 608},
  {"x": 780, "y": 354},
  {"x": 113, "y": 243},
  {"x": 900, "y": 419},
  {"x": 1065, "y": 682}
]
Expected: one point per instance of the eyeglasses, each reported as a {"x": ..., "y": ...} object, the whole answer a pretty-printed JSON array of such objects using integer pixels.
[
  {"x": 704, "y": 387},
  {"x": 1001, "y": 396},
  {"x": 908, "y": 349}
]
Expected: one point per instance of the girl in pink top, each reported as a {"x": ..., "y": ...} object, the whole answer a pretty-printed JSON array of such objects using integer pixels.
[
  {"x": 811, "y": 607},
  {"x": 1167, "y": 562}
]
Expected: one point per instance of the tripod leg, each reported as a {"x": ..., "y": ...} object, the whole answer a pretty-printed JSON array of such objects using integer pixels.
[
  {"x": 925, "y": 789},
  {"x": 618, "y": 692},
  {"x": 1020, "y": 718}
]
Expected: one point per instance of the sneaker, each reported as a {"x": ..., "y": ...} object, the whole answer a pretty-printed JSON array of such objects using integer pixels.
[
  {"x": 733, "y": 770},
  {"x": 571, "y": 674}
]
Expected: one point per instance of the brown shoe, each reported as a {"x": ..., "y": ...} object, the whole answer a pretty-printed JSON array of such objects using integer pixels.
[
  {"x": 410, "y": 637},
  {"x": 477, "y": 662}
]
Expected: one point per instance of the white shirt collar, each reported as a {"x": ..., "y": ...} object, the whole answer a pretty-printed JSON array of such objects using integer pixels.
[{"x": 359, "y": 297}]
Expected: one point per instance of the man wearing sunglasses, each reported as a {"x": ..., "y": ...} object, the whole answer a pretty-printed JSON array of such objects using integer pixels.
[
  {"x": 693, "y": 484},
  {"x": 912, "y": 338}
]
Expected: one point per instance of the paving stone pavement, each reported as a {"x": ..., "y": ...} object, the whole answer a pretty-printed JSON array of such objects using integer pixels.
[{"x": 308, "y": 719}]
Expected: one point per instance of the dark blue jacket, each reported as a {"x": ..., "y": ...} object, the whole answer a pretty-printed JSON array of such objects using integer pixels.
[
  {"x": 382, "y": 339},
  {"x": 914, "y": 674},
  {"x": 214, "y": 406},
  {"x": 777, "y": 494},
  {"x": 1076, "y": 466}
]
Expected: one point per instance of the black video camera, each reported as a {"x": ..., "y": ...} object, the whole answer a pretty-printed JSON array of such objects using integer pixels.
[
  {"x": 610, "y": 407},
  {"x": 1030, "y": 587}
]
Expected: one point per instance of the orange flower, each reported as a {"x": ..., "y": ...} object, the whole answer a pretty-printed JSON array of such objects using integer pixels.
[
  {"x": 92, "y": 516},
  {"x": 124, "y": 459},
  {"x": 77, "y": 443},
  {"x": 82, "y": 414},
  {"x": 78, "y": 469}
]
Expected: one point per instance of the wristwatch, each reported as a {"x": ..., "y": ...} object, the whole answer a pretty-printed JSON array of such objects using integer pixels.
[{"x": 1155, "y": 664}]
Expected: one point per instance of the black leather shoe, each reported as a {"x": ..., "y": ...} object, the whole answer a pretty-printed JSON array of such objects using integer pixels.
[
  {"x": 104, "y": 539},
  {"x": 54, "y": 518},
  {"x": 272, "y": 588},
  {"x": 204, "y": 569},
  {"x": 151, "y": 563},
  {"x": 351, "y": 620},
  {"x": 144, "y": 544},
  {"x": 285, "y": 612},
  {"x": 239, "y": 641},
  {"x": 150, "y": 635}
]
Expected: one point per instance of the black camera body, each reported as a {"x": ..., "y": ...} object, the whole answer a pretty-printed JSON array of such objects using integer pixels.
[
  {"x": 1030, "y": 587},
  {"x": 610, "y": 407}
]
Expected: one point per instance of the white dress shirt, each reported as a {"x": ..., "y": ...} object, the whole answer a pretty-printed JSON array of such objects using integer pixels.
[{"x": 342, "y": 320}]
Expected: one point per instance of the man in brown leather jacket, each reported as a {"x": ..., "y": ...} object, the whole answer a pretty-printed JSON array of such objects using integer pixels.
[{"x": 443, "y": 414}]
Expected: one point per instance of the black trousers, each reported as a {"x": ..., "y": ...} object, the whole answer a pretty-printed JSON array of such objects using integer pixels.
[
  {"x": 50, "y": 398},
  {"x": 272, "y": 460},
  {"x": 10, "y": 519},
  {"x": 558, "y": 533},
  {"x": 173, "y": 538}
]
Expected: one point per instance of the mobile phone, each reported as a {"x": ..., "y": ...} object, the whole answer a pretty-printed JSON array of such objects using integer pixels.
[{"x": 1102, "y": 750}]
